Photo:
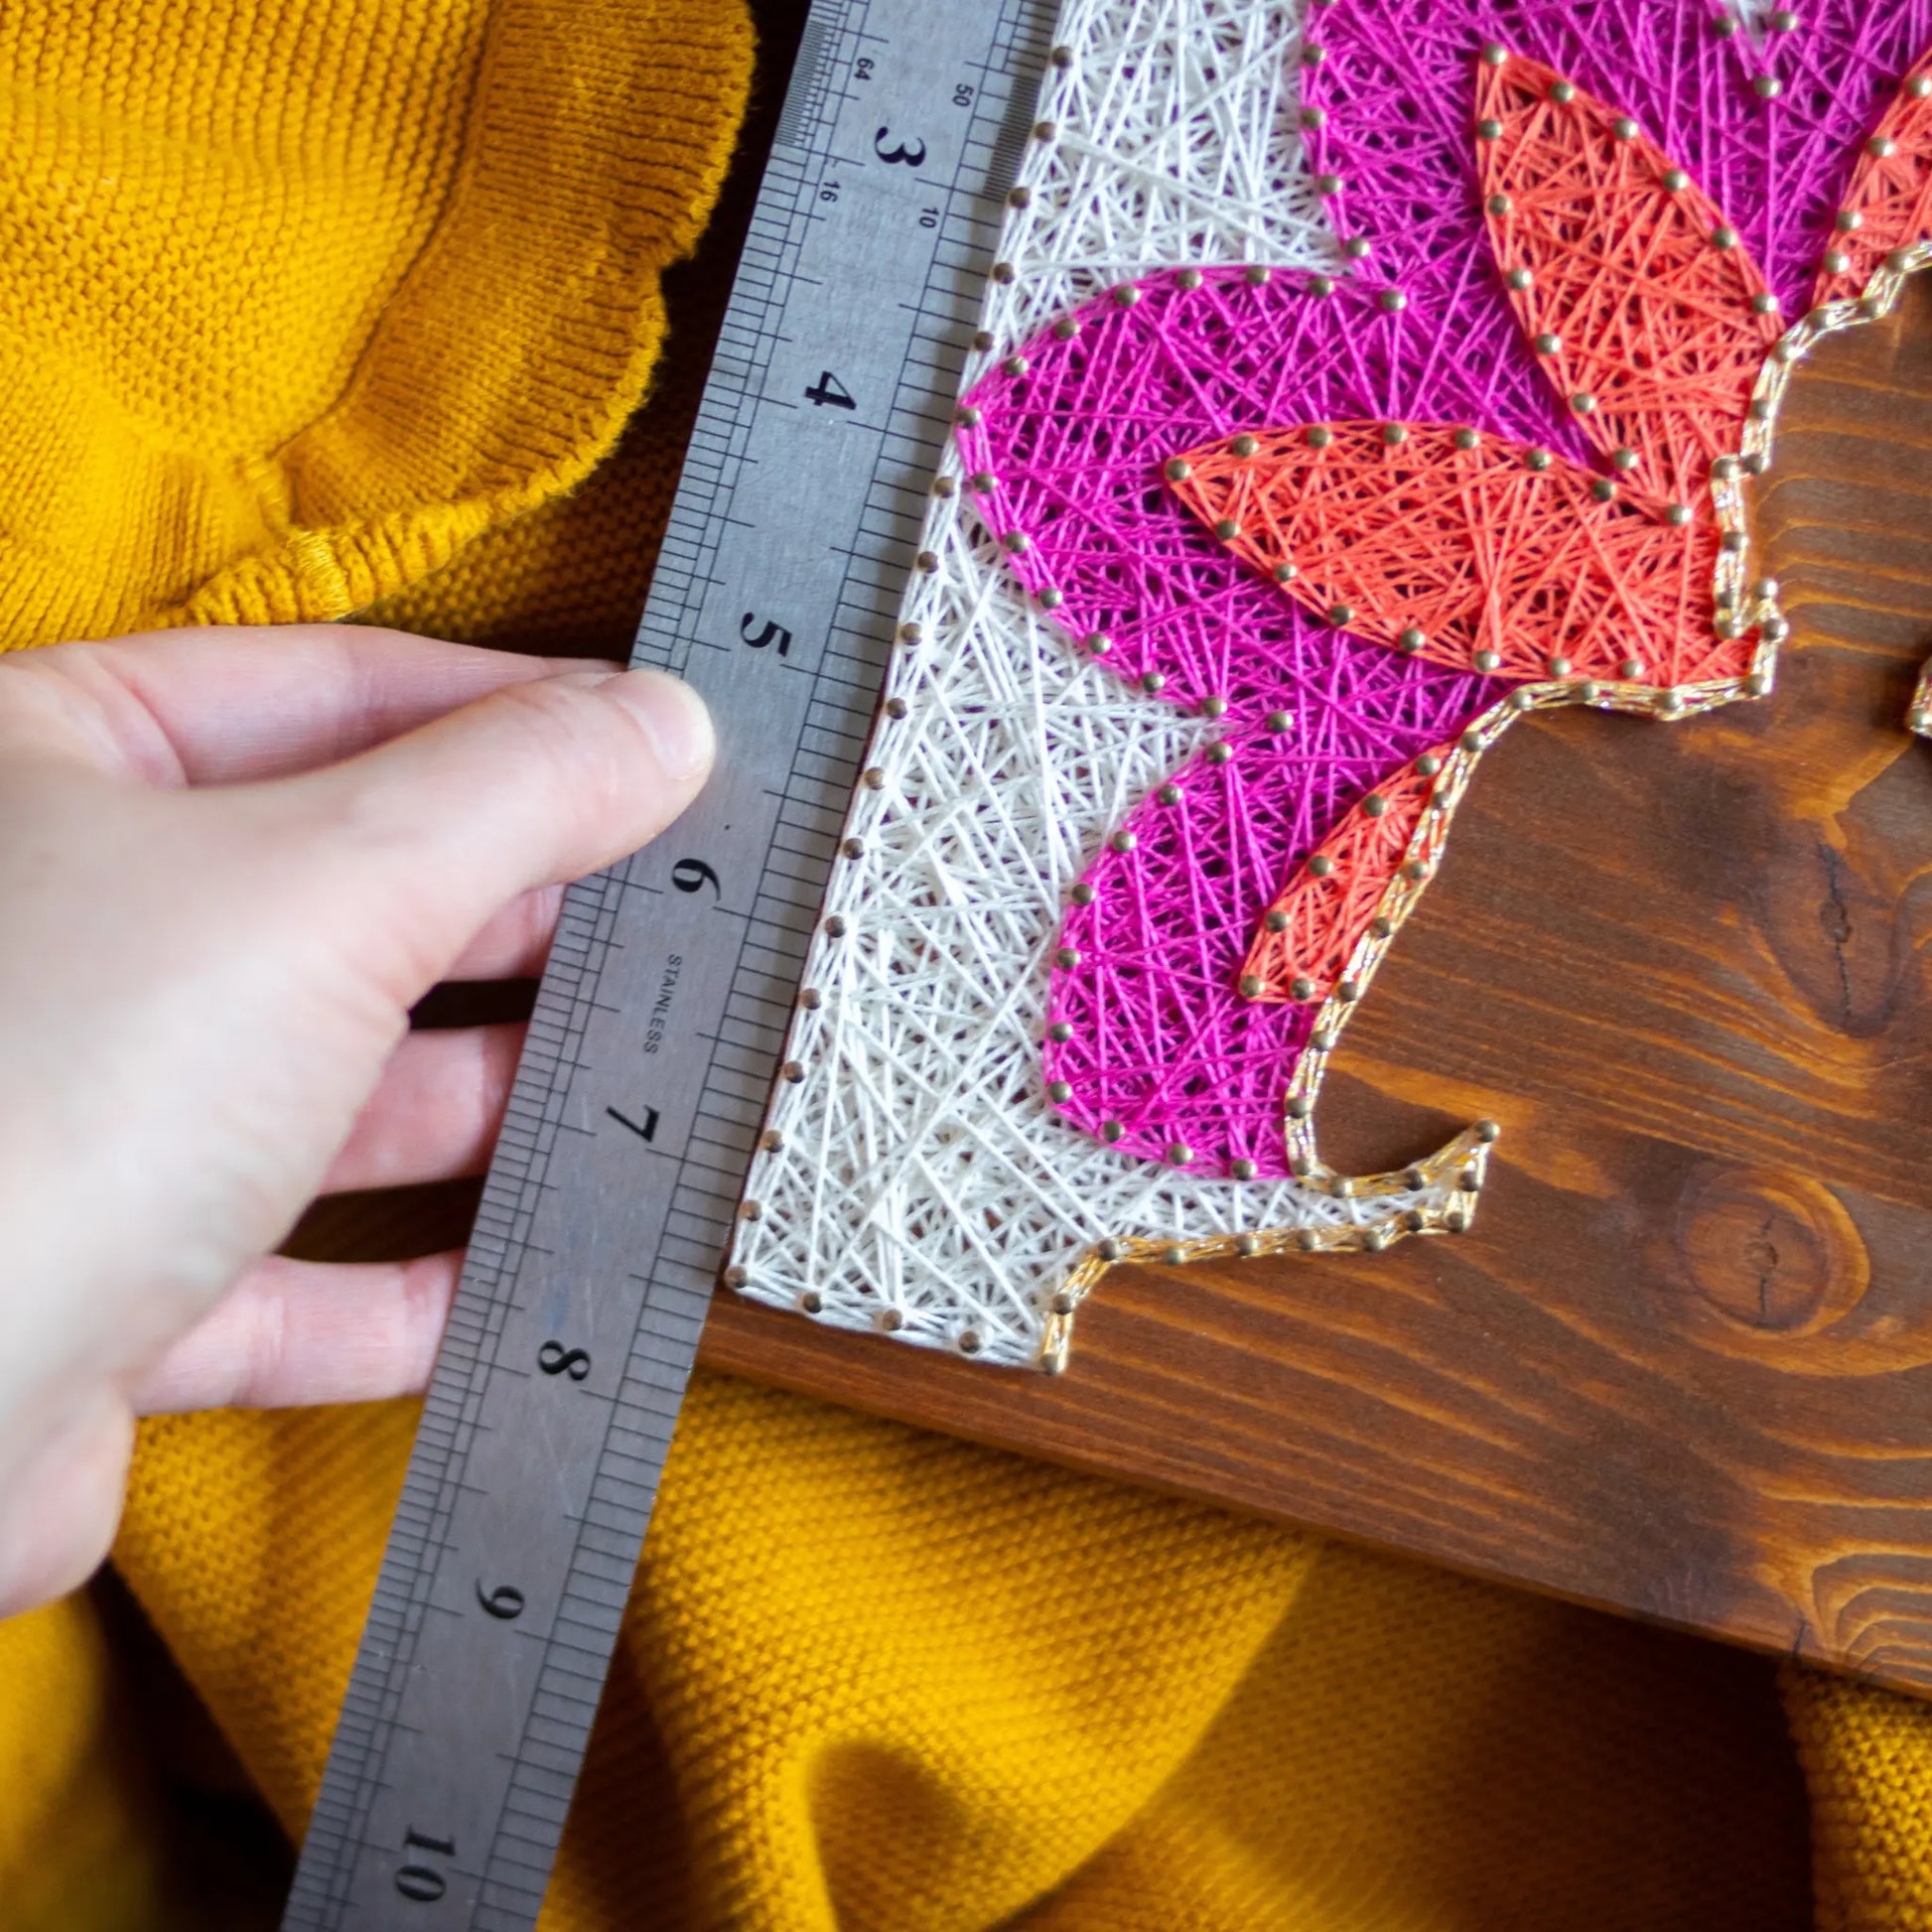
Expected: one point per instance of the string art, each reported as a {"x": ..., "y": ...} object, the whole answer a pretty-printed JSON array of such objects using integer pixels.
[{"x": 1350, "y": 388}]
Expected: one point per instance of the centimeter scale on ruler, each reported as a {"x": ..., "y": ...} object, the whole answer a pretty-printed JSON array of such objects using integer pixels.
[{"x": 673, "y": 977}]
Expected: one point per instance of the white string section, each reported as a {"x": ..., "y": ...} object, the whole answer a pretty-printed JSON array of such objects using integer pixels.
[{"x": 915, "y": 1180}]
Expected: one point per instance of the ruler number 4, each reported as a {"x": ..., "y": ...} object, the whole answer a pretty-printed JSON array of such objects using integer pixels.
[{"x": 829, "y": 389}]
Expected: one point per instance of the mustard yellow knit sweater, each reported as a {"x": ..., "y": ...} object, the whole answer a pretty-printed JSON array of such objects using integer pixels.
[{"x": 319, "y": 308}]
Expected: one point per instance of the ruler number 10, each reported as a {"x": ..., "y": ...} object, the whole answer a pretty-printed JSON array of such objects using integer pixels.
[{"x": 423, "y": 1884}]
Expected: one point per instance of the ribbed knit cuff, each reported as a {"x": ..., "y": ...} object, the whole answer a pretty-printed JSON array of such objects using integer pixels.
[{"x": 525, "y": 332}]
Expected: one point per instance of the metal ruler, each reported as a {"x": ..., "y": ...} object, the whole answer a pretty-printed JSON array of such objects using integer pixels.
[{"x": 674, "y": 978}]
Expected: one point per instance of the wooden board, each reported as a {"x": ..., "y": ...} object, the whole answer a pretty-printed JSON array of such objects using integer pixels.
[{"x": 1682, "y": 1365}]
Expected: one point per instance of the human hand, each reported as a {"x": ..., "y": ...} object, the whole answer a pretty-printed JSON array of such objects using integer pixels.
[{"x": 230, "y": 861}]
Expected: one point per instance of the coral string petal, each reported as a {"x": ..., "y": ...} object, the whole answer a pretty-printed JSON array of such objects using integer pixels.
[
  {"x": 1632, "y": 286},
  {"x": 1468, "y": 551},
  {"x": 1888, "y": 205},
  {"x": 1308, "y": 938}
]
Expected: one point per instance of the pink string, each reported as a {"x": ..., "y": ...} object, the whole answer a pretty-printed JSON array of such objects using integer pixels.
[{"x": 1160, "y": 1055}]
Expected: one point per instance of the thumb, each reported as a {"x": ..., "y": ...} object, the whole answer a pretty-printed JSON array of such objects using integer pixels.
[{"x": 537, "y": 782}]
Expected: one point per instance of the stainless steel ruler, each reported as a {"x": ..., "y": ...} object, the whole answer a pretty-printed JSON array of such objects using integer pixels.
[{"x": 674, "y": 978}]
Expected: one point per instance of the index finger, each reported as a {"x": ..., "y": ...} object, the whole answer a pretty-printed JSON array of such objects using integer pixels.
[{"x": 232, "y": 704}]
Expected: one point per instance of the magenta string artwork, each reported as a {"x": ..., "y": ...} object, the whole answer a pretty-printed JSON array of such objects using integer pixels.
[{"x": 1497, "y": 459}]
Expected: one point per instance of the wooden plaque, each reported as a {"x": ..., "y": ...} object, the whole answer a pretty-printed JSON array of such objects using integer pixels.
[{"x": 1682, "y": 1365}]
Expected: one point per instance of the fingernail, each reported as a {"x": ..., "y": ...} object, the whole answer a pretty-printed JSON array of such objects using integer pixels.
[{"x": 674, "y": 716}]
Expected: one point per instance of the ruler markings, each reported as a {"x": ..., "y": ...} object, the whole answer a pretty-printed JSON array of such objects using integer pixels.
[{"x": 447, "y": 1790}]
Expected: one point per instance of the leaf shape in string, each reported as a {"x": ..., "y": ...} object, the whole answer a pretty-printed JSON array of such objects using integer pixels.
[
  {"x": 1644, "y": 307},
  {"x": 1888, "y": 206},
  {"x": 1468, "y": 551},
  {"x": 1307, "y": 938}
]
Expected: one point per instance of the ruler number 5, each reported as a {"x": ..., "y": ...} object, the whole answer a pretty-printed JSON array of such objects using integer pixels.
[{"x": 774, "y": 633}]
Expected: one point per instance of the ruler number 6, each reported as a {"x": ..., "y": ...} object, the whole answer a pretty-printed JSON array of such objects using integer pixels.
[{"x": 693, "y": 876}]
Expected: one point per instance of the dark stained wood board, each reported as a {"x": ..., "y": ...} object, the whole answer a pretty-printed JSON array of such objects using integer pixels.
[{"x": 1682, "y": 1365}]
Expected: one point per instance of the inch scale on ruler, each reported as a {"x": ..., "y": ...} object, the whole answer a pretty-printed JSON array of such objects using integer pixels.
[{"x": 673, "y": 977}]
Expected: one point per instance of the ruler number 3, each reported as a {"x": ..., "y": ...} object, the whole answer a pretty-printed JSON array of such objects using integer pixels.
[{"x": 905, "y": 155}]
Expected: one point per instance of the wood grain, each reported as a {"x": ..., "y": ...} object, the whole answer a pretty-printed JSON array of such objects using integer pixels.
[{"x": 1682, "y": 1365}]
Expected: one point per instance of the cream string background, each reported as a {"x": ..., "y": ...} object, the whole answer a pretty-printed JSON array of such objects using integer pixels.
[{"x": 915, "y": 1180}]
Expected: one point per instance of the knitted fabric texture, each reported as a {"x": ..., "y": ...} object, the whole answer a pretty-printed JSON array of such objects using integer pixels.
[
  {"x": 1486, "y": 449},
  {"x": 874, "y": 1681},
  {"x": 292, "y": 315},
  {"x": 867, "y": 1666}
]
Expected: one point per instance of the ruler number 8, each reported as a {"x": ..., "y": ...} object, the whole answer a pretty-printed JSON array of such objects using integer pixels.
[{"x": 555, "y": 1359}]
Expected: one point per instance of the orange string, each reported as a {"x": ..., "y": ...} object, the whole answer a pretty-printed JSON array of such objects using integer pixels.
[
  {"x": 1641, "y": 301},
  {"x": 1888, "y": 205},
  {"x": 1468, "y": 551},
  {"x": 1307, "y": 938}
]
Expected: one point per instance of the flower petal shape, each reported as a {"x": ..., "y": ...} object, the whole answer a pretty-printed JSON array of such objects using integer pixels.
[
  {"x": 1767, "y": 121},
  {"x": 1065, "y": 443},
  {"x": 1888, "y": 206},
  {"x": 1149, "y": 1045},
  {"x": 1639, "y": 296},
  {"x": 1063, "y": 446},
  {"x": 1468, "y": 551},
  {"x": 1308, "y": 937}
]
